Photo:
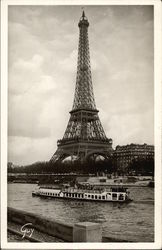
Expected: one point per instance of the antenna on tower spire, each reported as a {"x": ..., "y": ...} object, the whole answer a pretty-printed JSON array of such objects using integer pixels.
[{"x": 83, "y": 19}]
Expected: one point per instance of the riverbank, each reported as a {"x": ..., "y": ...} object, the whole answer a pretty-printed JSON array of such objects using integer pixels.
[
  {"x": 106, "y": 180},
  {"x": 147, "y": 184}
]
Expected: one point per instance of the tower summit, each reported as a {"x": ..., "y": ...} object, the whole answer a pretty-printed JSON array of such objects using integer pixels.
[{"x": 84, "y": 136}]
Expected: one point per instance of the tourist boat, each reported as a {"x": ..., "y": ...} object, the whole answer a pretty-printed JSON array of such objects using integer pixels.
[{"x": 114, "y": 194}]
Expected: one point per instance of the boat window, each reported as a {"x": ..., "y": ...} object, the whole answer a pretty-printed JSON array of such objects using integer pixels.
[
  {"x": 95, "y": 196},
  {"x": 92, "y": 196},
  {"x": 114, "y": 195},
  {"x": 89, "y": 196},
  {"x": 99, "y": 197},
  {"x": 121, "y": 197},
  {"x": 103, "y": 197}
]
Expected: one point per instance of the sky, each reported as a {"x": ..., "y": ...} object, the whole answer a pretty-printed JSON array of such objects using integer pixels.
[{"x": 42, "y": 53}]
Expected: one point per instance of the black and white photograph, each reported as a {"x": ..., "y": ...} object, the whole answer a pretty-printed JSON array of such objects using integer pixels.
[{"x": 81, "y": 159}]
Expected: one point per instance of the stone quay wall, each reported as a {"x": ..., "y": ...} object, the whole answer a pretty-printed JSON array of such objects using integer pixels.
[{"x": 80, "y": 232}]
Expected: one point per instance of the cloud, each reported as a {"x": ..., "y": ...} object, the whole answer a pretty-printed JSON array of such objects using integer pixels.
[
  {"x": 69, "y": 63},
  {"x": 28, "y": 148}
]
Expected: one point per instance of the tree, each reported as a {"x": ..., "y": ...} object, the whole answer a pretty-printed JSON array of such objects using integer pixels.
[{"x": 143, "y": 166}]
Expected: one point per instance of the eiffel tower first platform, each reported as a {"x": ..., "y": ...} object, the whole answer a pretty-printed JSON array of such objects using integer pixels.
[{"x": 84, "y": 136}]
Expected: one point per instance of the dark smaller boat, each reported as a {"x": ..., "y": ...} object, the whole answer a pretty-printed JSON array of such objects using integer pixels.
[{"x": 151, "y": 184}]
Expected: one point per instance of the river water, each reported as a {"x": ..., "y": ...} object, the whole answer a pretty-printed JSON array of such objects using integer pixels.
[{"x": 133, "y": 221}]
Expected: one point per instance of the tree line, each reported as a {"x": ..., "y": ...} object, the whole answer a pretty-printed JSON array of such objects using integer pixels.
[{"x": 108, "y": 166}]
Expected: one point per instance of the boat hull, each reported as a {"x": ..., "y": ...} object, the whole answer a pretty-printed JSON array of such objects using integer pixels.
[{"x": 79, "y": 199}]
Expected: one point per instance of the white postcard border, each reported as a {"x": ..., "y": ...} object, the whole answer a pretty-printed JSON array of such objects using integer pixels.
[{"x": 157, "y": 126}]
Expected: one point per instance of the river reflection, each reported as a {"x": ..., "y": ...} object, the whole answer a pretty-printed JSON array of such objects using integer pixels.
[{"x": 133, "y": 221}]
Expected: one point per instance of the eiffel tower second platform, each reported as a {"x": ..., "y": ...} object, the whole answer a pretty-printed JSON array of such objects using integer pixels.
[{"x": 84, "y": 136}]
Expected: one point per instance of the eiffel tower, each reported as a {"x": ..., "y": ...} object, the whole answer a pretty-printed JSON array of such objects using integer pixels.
[{"x": 84, "y": 136}]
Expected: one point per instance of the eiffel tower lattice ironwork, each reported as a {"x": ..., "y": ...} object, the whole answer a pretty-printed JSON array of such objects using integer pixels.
[{"x": 84, "y": 135}]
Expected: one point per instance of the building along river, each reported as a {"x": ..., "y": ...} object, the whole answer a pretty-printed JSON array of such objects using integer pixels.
[{"x": 132, "y": 222}]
